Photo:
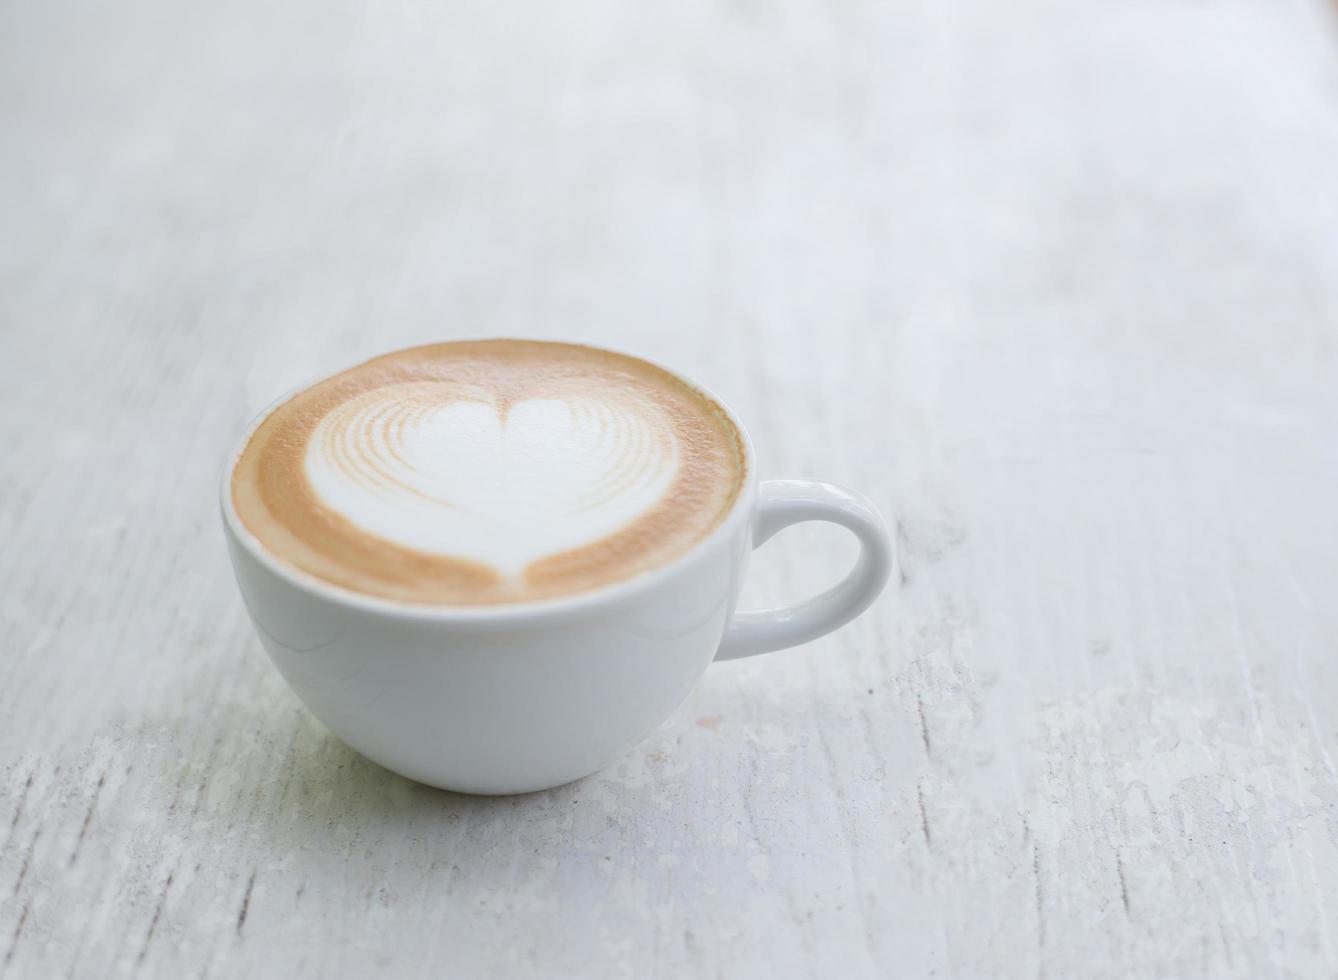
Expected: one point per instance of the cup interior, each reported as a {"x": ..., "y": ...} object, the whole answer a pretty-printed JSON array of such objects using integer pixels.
[{"x": 740, "y": 510}]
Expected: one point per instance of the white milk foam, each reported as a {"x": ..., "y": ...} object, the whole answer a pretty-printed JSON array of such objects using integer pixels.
[{"x": 455, "y": 478}]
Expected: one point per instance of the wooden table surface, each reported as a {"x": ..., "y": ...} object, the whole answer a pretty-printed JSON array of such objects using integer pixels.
[{"x": 1055, "y": 283}]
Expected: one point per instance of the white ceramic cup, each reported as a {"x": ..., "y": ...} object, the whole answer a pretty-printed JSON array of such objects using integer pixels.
[{"x": 516, "y": 698}]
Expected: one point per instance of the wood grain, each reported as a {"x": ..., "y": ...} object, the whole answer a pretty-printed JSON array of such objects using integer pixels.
[{"x": 1055, "y": 283}]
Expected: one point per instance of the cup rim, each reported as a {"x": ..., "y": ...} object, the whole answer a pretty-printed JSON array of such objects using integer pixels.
[{"x": 740, "y": 510}]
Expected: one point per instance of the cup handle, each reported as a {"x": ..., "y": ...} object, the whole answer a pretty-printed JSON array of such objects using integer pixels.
[{"x": 781, "y": 503}]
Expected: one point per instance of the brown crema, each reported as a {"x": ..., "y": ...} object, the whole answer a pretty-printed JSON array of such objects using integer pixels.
[{"x": 277, "y": 503}]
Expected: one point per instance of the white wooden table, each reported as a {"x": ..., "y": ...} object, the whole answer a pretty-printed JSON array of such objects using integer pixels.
[{"x": 1056, "y": 283}]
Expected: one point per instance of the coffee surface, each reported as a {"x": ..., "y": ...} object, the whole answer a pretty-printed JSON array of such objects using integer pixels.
[{"x": 484, "y": 472}]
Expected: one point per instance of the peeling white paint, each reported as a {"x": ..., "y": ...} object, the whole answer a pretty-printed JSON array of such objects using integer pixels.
[{"x": 1061, "y": 299}]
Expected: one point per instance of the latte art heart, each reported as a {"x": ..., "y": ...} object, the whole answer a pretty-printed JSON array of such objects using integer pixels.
[
  {"x": 485, "y": 472},
  {"x": 421, "y": 466}
]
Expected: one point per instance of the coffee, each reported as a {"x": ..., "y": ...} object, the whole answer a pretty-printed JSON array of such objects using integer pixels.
[{"x": 485, "y": 472}]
